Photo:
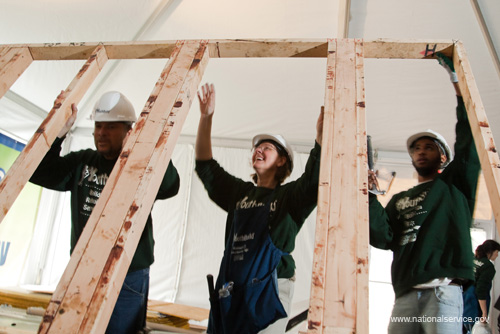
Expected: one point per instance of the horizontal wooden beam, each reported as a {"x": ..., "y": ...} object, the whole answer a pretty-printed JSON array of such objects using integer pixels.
[{"x": 239, "y": 48}]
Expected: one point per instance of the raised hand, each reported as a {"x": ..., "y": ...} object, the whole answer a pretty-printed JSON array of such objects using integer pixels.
[
  {"x": 206, "y": 97},
  {"x": 447, "y": 63},
  {"x": 71, "y": 120}
]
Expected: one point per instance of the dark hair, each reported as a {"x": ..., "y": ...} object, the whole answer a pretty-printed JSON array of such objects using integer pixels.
[
  {"x": 486, "y": 248},
  {"x": 282, "y": 172}
]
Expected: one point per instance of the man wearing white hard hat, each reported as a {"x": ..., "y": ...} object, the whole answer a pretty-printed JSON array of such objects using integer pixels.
[
  {"x": 428, "y": 229},
  {"x": 85, "y": 173},
  {"x": 254, "y": 288}
]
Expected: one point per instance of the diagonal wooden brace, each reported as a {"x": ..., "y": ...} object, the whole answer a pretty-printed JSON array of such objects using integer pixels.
[
  {"x": 40, "y": 143},
  {"x": 85, "y": 296},
  {"x": 481, "y": 131},
  {"x": 13, "y": 62}
]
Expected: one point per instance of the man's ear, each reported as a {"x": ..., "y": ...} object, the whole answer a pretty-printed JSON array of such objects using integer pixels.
[{"x": 443, "y": 158}]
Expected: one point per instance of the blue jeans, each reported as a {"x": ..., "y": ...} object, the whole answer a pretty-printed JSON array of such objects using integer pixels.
[
  {"x": 434, "y": 310},
  {"x": 129, "y": 314}
]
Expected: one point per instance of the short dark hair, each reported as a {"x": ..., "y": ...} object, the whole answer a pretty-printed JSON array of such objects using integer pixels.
[{"x": 282, "y": 172}]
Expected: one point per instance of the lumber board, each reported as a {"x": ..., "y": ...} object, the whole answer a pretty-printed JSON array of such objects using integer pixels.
[
  {"x": 84, "y": 239},
  {"x": 173, "y": 315},
  {"x": 341, "y": 254},
  {"x": 91, "y": 289},
  {"x": 23, "y": 300},
  {"x": 13, "y": 62},
  {"x": 362, "y": 221},
  {"x": 406, "y": 49},
  {"x": 339, "y": 291},
  {"x": 91, "y": 225},
  {"x": 178, "y": 310},
  {"x": 239, "y": 48},
  {"x": 151, "y": 179},
  {"x": 317, "y": 295},
  {"x": 481, "y": 131},
  {"x": 44, "y": 136},
  {"x": 174, "y": 329}
]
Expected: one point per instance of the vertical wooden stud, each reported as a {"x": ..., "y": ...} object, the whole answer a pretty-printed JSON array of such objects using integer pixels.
[
  {"x": 318, "y": 282},
  {"x": 362, "y": 229},
  {"x": 344, "y": 279}
]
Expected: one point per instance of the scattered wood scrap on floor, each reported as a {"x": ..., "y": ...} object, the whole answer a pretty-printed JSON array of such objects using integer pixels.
[{"x": 21, "y": 313}]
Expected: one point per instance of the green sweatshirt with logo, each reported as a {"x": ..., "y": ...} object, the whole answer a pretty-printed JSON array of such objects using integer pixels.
[
  {"x": 428, "y": 226},
  {"x": 291, "y": 203},
  {"x": 84, "y": 173},
  {"x": 484, "y": 272}
]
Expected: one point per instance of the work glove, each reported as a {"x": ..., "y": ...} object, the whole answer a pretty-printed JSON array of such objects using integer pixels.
[{"x": 448, "y": 66}]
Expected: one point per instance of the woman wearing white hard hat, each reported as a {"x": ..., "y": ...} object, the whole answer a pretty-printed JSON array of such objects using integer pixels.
[{"x": 254, "y": 288}]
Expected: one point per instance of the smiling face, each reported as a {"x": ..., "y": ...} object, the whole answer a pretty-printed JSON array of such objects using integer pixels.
[
  {"x": 266, "y": 159},
  {"x": 109, "y": 137},
  {"x": 426, "y": 157}
]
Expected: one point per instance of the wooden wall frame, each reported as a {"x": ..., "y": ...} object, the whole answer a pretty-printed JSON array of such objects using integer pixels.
[{"x": 84, "y": 298}]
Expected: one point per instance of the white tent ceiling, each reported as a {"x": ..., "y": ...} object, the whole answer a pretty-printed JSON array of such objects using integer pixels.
[{"x": 258, "y": 94}]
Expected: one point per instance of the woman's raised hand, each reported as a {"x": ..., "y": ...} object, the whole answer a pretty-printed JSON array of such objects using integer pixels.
[{"x": 206, "y": 97}]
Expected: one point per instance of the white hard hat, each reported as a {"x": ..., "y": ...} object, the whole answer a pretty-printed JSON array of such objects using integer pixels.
[
  {"x": 277, "y": 139},
  {"x": 436, "y": 136},
  {"x": 113, "y": 107}
]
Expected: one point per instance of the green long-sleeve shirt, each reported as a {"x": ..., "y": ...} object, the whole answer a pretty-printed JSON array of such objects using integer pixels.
[
  {"x": 84, "y": 173},
  {"x": 484, "y": 271},
  {"x": 428, "y": 226},
  {"x": 290, "y": 206}
]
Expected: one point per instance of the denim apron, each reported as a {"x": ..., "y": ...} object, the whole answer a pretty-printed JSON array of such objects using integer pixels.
[{"x": 247, "y": 285}]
